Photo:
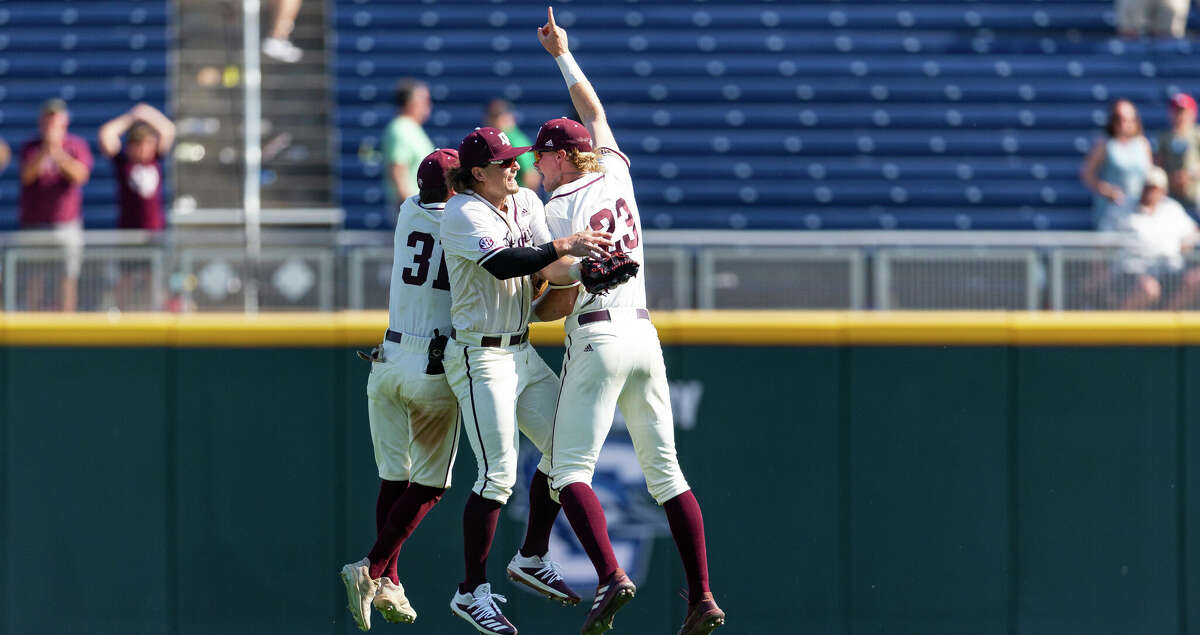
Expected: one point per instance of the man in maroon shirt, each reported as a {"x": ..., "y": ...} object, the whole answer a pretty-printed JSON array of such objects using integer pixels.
[
  {"x": 54, "y": 167},
  {"x": 137, "y": 168}
]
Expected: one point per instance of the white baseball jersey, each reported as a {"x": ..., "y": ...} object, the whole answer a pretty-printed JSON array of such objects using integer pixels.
[
  {"x": 603, "y": 202},
  {"x": 420, "y": 291},
  {"x": 414, "y": 415},
  {"x": 474, "y": 230}
]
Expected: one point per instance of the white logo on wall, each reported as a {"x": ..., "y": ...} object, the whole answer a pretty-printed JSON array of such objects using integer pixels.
[{"x": 634, "y": 518}]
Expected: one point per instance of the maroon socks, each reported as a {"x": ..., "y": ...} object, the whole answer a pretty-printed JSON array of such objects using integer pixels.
[
  {"x": 583, "y": 509},
  {"x": 389, "y": 493},
  {"x": 479, "y": 528},
  {"x": 687, "y": 527},
  {"x": 542, "y": 512},
  {"x": 402, "y": 519}
]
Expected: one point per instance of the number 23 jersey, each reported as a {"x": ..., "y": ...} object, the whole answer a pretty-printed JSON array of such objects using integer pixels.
[
  {"x": 603, "y": 202},
  {"x": 419, "y": 300}
]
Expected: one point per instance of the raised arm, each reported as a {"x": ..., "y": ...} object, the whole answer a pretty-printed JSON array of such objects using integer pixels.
[
  {"x": 583, "y": 95},
  {"x": 110, "y": 133}
]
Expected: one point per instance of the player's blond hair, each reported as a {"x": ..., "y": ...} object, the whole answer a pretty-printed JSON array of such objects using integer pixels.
[{"x": 584, "y": 161}]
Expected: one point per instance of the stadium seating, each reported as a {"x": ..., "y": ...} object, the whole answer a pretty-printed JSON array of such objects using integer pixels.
[
  {"x": 806, "y": 114},
  {"x": 101, "y": 57}
]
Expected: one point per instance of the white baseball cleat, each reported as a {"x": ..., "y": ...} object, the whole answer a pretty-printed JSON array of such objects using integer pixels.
[
  {"x": 479, "y": 608},
  {"x": 281, "y": 50},
  {"x": 542, "y": 575},
  {"x": 392, "y": 604},
  {"x": 360, "y": 590}
]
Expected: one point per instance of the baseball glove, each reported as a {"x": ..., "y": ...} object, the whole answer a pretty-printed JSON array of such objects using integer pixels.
[{"x": 600, "y": 276}]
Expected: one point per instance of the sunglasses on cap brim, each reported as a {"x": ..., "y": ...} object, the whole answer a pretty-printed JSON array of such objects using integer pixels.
[{"x": 504, "y": 162}]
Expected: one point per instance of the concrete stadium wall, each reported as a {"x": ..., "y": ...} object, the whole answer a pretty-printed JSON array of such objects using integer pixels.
[{"x": 156, "y": 482}]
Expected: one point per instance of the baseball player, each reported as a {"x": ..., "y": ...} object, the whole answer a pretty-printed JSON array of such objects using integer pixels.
[
  {"x": 613, "y": 355},
  {"x": 495, "y": 237},
  {"x": 413, "y": 413}
]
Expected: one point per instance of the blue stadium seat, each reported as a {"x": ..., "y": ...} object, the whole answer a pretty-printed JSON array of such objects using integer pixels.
[{"x": 800, "y": 115}]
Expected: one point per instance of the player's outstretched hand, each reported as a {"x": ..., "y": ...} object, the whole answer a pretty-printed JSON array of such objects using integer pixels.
[
  {"x": 552, "y": 36},
  {"x": 585, "y": 244}
]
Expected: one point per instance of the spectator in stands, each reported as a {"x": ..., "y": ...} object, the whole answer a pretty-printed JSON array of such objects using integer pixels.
[
  {"x": 138, "y": 164},
  {"x": 277, "y": 45},
  {"x": 1179, "y": 152},
  {"x": 405, "y": 143},
  {"x": 5, "y": 154},
  {"x": 137, "y": 167},
  {"x": 1153, "y": 265},
  {"x": 54, "y": 167},
  {"x": 500, "y": 116},
  {"x": 1161, "y": 18},
  {"x": 1116, "y": 166}
]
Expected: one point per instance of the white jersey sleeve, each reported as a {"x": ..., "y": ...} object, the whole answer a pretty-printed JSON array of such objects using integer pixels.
[
  {"x": 539, "y": 230},
  {"x": 615, "y": 164},
  {"x": 473, "y": 232}
]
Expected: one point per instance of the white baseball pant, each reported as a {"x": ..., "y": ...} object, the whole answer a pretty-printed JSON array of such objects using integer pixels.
[
  {"x": 610, "y": 364},
  {"x": 414, "y": 416},
  {"x": 503, "y": 391}
]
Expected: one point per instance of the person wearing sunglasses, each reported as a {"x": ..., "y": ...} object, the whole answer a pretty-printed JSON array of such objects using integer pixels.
[{"x": 495, "y": 238}]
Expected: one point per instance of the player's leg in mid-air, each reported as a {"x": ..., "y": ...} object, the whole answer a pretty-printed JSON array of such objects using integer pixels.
[
  {"x": 532, "y": 565},
  {"x": 493, "y": 387},
  {"x": 637, "y": 384},
  {"x": 414, "y": 430},
  {"x": 593, "y": 376},
  {"x": 646, "y": 403}
]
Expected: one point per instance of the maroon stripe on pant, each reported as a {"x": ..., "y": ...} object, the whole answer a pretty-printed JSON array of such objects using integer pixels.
[{"x": 475, "y": 416}]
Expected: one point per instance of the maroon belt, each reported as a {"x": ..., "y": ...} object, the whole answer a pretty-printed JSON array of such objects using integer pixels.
[
  {"x": 604, "y": 316},
  {"x": 393, "y": 336},
  {"x": 495, "y": 340}
]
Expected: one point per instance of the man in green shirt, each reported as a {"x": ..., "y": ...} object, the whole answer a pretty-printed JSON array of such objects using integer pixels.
[
  {"x": 500, "y": 116},
  {"x": 405, "y": 143},
  {"x": 1179, "y": 152}
]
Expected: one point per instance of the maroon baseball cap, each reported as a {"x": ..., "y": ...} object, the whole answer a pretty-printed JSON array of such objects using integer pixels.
[
  {"x": 1183, "y": 101},
  {"x": 562, "y": 134},
  {"x": 431, "y": 176},
  {"x": 487, "y": 144}
]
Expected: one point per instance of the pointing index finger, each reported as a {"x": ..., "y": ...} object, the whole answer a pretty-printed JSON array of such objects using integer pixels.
[{"x": 550, "y": 16}]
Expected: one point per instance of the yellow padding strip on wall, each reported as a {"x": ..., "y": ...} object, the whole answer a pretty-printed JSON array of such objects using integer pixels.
[{"x": 702, "y": 328}]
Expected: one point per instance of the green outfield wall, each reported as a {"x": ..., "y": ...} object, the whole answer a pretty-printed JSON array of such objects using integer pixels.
[{"x": 911, "y": 474}]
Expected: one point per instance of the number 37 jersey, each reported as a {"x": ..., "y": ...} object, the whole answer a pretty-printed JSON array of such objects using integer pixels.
[
  {"x": 603, "y": 202},
  {"x": 419, "y": 301}
]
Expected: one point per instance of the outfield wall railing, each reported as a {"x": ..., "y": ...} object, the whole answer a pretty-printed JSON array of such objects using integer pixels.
[{"x": 204, "y": 268}]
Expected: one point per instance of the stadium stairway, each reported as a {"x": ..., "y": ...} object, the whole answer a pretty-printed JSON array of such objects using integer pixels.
[
  {"x": 807, "y": 114},
  {"x": 296, "y": 168},
  {"x": 101, "y": 57}
]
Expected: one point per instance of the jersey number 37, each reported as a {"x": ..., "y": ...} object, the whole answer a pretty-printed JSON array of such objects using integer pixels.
[{"x": 419, "y": 272}]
